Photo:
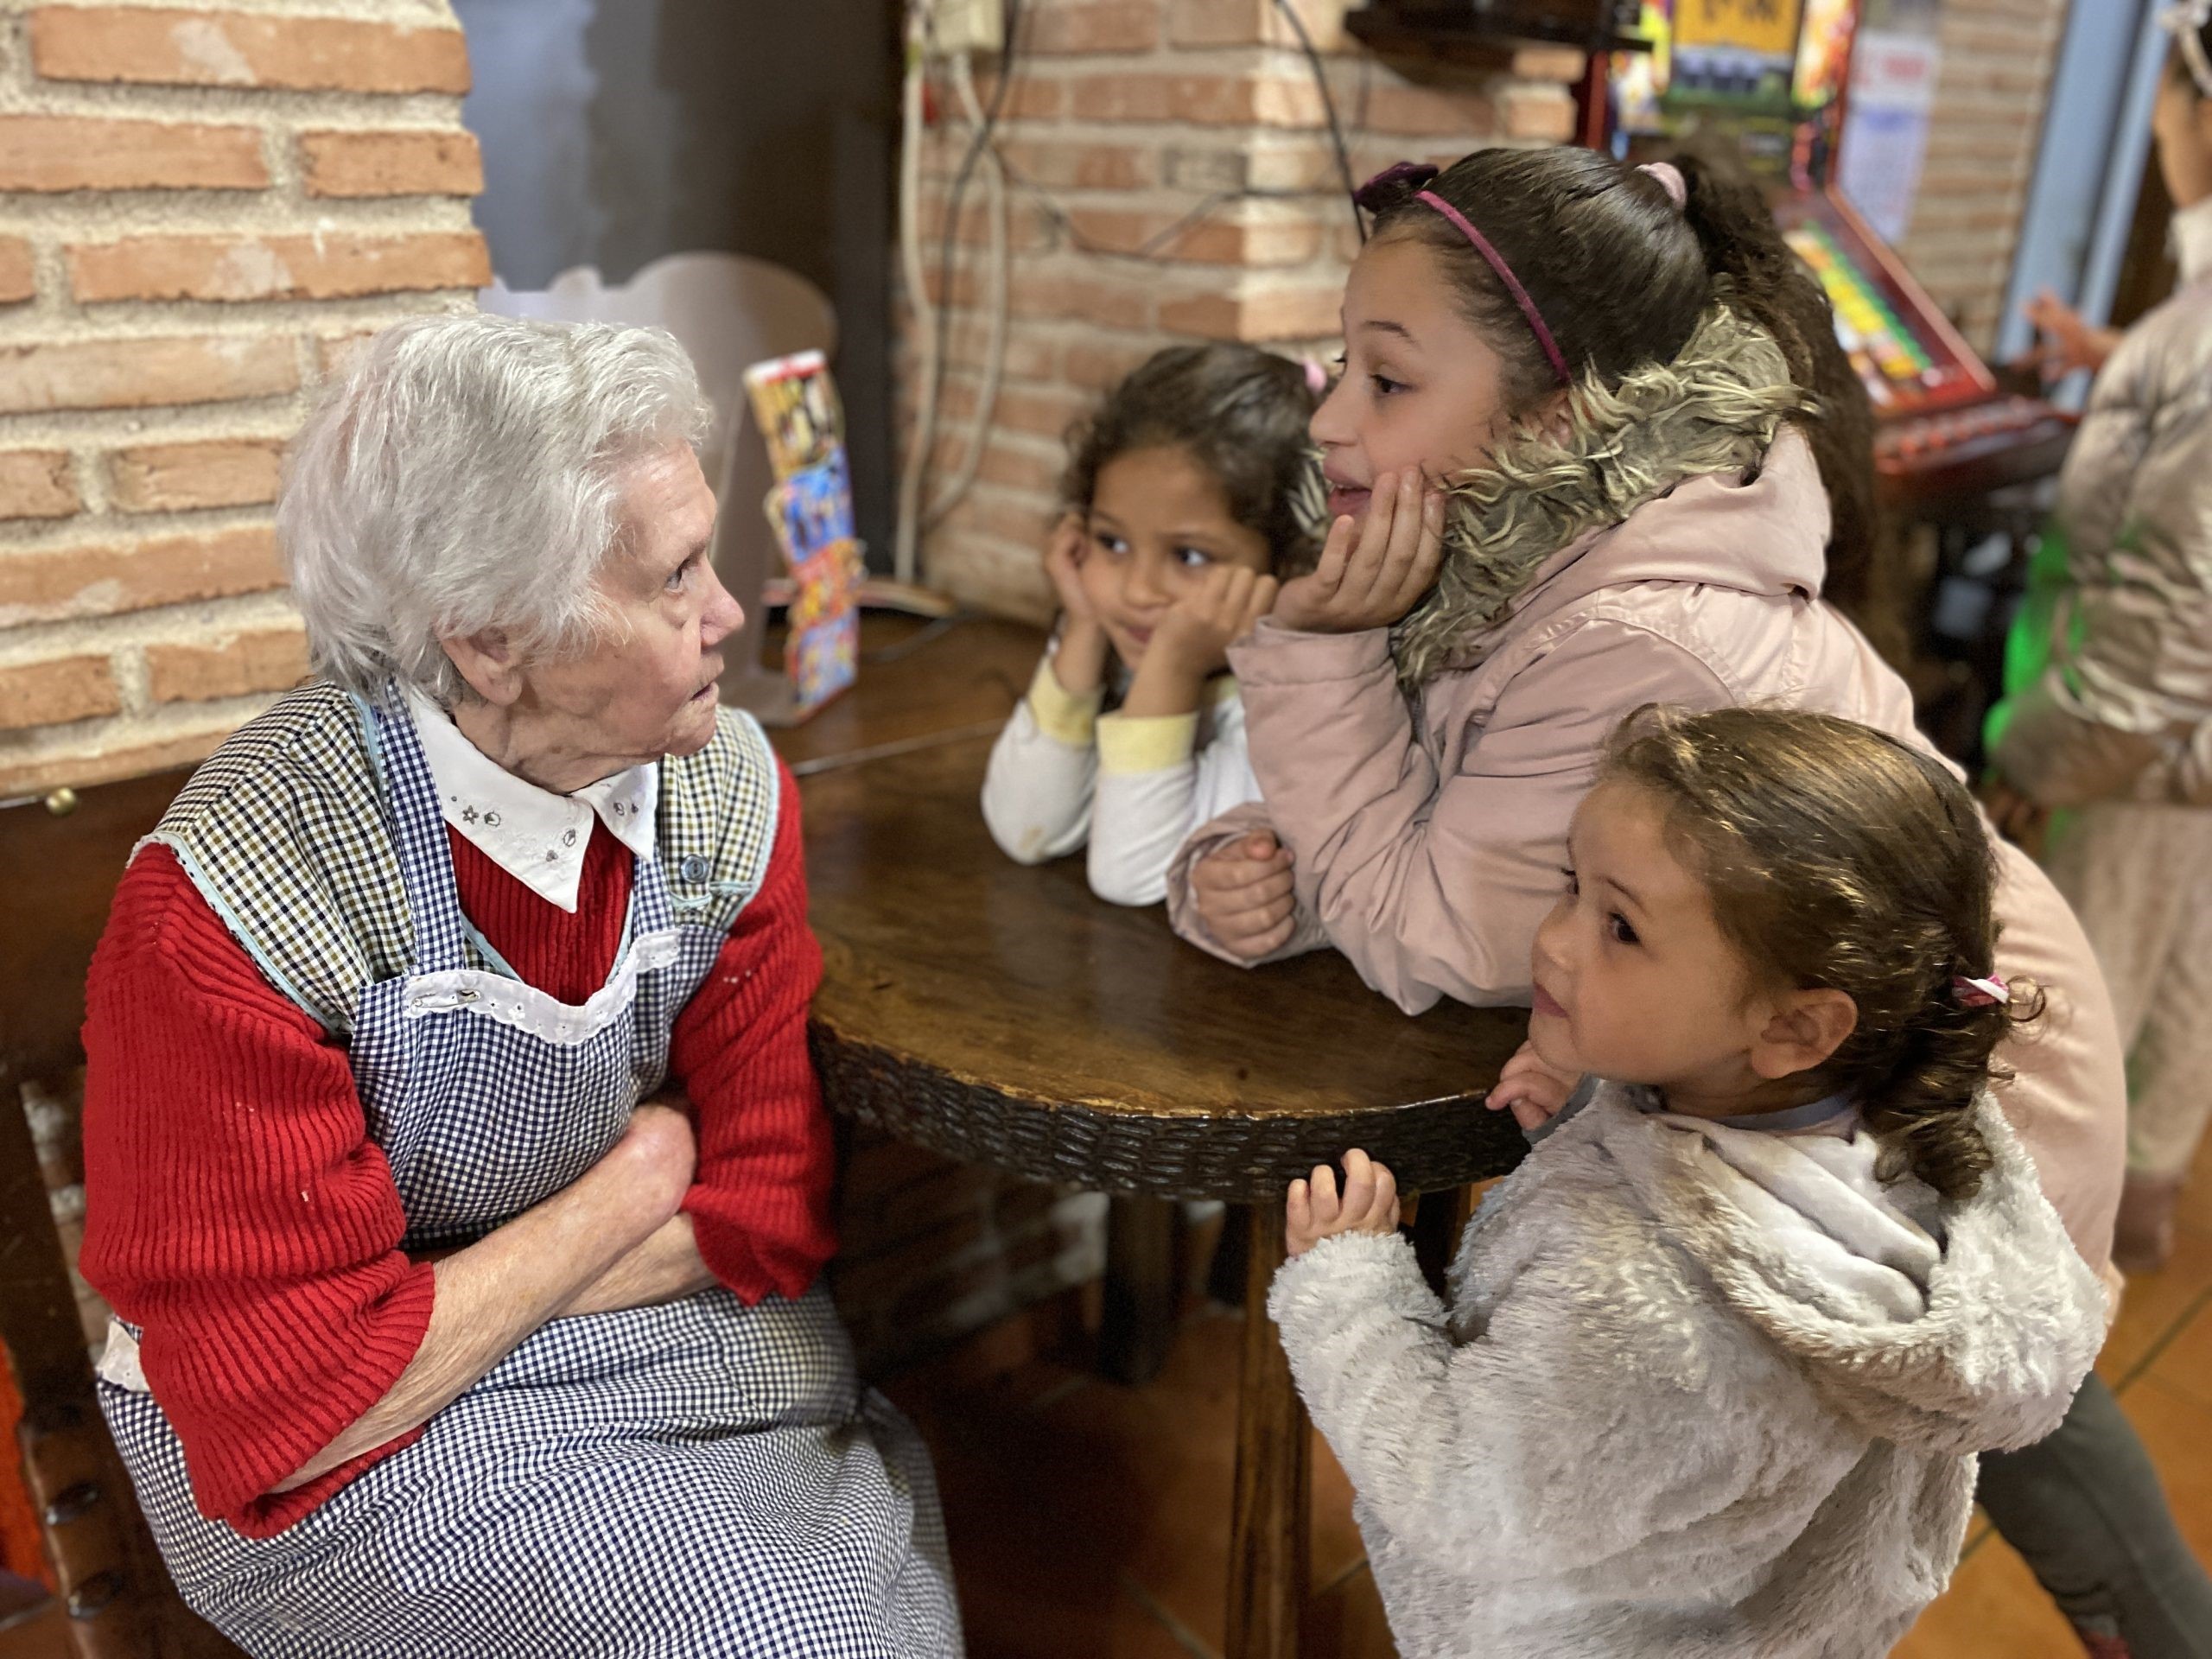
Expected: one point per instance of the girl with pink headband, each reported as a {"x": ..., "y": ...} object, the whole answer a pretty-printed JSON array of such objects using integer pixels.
[{"x": 1594, "y": 446}]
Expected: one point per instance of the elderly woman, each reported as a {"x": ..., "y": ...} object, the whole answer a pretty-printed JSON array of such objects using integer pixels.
[{"x": 442, "y": 1329}]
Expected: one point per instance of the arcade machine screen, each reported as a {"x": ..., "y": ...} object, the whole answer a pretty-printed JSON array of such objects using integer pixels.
[{"x": 1771, "y": 75}]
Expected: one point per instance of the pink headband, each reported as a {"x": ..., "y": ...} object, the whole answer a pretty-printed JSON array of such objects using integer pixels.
[{"x": 1504, "y": 274}]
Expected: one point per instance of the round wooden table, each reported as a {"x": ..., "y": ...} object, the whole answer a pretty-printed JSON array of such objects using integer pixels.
[{"x": 1003, "y": 1016}]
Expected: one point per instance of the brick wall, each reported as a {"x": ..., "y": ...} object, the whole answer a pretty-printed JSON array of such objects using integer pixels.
[
  {"x": 1124, "y": 115},
  {"x": 1998, "y": 59},
  {"x": 200, "y": 210}
]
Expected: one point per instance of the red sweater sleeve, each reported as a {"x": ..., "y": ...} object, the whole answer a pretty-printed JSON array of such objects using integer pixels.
[
  {"x": 760, "y": 1207},
  {"x": 237, "y": 1210}
]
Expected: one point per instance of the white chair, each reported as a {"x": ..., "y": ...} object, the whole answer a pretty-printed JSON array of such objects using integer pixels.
[{"x": 728, "y": 312}]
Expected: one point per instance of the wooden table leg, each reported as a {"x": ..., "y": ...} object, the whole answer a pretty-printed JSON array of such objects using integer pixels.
[
  {"x": 1137, "y": 1325},
  {"x": 1267, "y": 1526}
]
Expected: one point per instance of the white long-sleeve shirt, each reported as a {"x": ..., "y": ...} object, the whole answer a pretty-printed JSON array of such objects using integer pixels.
[{"x": 1132, "y": 787}]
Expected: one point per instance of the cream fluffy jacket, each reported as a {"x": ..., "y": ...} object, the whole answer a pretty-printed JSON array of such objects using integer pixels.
[{"x": 1700, "y": 1391}]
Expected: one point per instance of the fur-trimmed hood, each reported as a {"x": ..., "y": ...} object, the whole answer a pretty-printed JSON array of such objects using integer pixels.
[
  {"x": 1942, "y": 1328},
  {"x": 1545, "y": 497}
]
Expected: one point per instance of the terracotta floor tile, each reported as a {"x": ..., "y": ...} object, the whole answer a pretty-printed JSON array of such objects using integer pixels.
[
  {"x": 2185, "y": 1363},
  {"x": 1993, "y": 1609},
  {"x": 2154, "y": 1303},
  {"x": 2178, "y": 1429}
]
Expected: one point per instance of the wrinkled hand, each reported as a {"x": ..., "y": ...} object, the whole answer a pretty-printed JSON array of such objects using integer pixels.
[
  {"x": 2020, "y": 818},
  {"x": 1373, "y": 572},
  {"x": 1314, "y": 1211},
  {"x": 659, "y": 1154},
  {"x": 1221, "y": 608},
  {"x": 1244, "y": 897},
  {"x": 2068, "y": 343},
  {"x": 1532, "y": 1090},
  {"x": 1064, "y": 564}
]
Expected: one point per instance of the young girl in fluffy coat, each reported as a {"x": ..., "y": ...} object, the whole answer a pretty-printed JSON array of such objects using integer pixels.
[
  {"x": 1719, "y": 1353},
  {"x": 1573, "y": 470}
]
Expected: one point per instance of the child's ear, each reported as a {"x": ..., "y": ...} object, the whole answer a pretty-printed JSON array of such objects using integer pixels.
[{"x": 1803, "y": 1031}]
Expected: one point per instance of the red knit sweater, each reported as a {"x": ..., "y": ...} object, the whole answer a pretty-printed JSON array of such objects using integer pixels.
[{"x": 240, "y": 1215}]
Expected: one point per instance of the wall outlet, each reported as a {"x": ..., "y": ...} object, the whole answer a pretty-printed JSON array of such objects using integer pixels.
[{"x": 966, "y": 26}]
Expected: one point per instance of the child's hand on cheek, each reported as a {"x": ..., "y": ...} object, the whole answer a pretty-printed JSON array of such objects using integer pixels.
[
  {"x": 1374, "y": 582},
  {"x": 1535, "y": 1092},
  {"x": 1191, "y": 639},
  {"x": 1315, "y": 1211},
  {"x": 1064, "y": 564}
]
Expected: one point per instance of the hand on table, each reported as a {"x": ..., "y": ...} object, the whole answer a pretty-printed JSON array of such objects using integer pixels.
[
  {"x": 1315, "y": 1210},
  {"x": 1243, "y": 894},
  {"x": 1372, "y": 572},
  {"x": 1535, "y": 1092}
]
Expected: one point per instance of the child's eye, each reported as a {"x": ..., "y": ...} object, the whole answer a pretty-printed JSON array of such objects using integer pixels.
[
  {"x": 1384, "y": 385},
  {"x": 1110, "y": 544},
  {"x": 1618, "y": 925},
  {"x": 1193, "y": 558},
  {"x": 1574, "y": 883},
  {"x": 1341, "y": 361}
]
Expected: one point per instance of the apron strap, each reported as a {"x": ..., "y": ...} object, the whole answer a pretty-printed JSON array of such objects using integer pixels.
[{"x": 418, "y": 837}]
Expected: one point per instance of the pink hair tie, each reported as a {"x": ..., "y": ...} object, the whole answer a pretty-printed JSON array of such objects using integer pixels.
[
  {"x": 1670, "y": 180},
  {"x": 1504, "y": 272},
  {"x": 1980, "y": 993},
  {"x": 1317, "y": 377}
]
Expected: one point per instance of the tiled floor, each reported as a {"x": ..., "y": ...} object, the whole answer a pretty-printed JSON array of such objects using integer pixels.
[{"x": 1092, "y": 1522}]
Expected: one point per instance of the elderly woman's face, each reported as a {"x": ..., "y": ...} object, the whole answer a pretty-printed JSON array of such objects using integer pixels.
[{"x": 648, "y": 688}]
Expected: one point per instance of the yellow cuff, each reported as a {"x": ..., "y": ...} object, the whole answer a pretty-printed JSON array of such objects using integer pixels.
[
  {"x": 1130, "y": 743},
  {"x": 1060, "y": 715}
]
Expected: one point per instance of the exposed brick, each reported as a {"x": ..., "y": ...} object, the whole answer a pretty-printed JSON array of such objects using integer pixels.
[
  {"x": 185, "y": 47},
  {"x": 18, "y": 280},
  {"x": 1123, "y": 304},
  {"x": 1074, "y": 165},
  {"x": 333, "y": 353},
  {"x": 25, "y": 770},
  {"x": 107, "y": 578},
  {"x": 1204, "y": 100},
  {"x": 69, "y": 152},
  {"x": 1539, "y": 113},
  {"x": 1255, "y": 22},
  {"x": 179, "y": 477},
  {"x": 1246, "y": 243},
  {"x": 1098, "y": 366},
  {"x": 1029, "y": 228},
  {"x": 1566, "y": 65},
  {"x": 57, "y": 690},
  {"x": 1034, "y": 470},
  {"x": 1031, "y": 97},
  {"x": 36, "y": 484},
  {"x": 440, "y": 163},
  {"x": 1094, "y": 26},
  {"x": 268, "y": 659},
  {"x": 335, "y": 265},
  {"x": 1304, "y": 312},
  {"x": 1464, "y": 112},
  {"x": 133, "y": 374}
]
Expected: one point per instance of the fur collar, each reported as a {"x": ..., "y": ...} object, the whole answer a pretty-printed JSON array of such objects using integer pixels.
[{"x": 1715, "y": 408}]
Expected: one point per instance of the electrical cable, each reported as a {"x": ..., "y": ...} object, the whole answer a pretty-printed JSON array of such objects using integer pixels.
[{"x": 1328, "y": 109}]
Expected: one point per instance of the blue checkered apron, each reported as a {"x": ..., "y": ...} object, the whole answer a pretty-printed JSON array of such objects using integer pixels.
[{"x": 698, "y": 1478}]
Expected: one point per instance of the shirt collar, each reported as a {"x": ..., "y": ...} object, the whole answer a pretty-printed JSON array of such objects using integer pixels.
[
  {"x": 2192, "y": 232},
  {"x": 535, "y": 835}
]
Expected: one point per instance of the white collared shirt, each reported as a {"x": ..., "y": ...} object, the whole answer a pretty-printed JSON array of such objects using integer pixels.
[{"x": 535, "y": 835}]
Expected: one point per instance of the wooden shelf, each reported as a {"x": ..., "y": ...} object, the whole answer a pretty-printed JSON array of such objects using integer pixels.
[{"x": 1461, "y": 33}]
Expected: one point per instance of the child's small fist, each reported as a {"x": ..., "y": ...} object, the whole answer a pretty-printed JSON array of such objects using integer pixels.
[
  {"x": 1315, "y": 1210},
  {"x": 1535, "y": 1092}
]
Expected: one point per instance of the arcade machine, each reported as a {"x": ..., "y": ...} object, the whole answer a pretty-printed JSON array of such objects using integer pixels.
[
  {"x": 1772, "y": 74},
  {"x": 1955, "y": 450}
]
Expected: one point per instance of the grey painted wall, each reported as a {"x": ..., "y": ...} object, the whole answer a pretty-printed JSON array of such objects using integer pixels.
[{"x": 618, "y": 130}]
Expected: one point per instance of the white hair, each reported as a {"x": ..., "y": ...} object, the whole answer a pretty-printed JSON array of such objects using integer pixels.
[{"x": 467, "y": 475}]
